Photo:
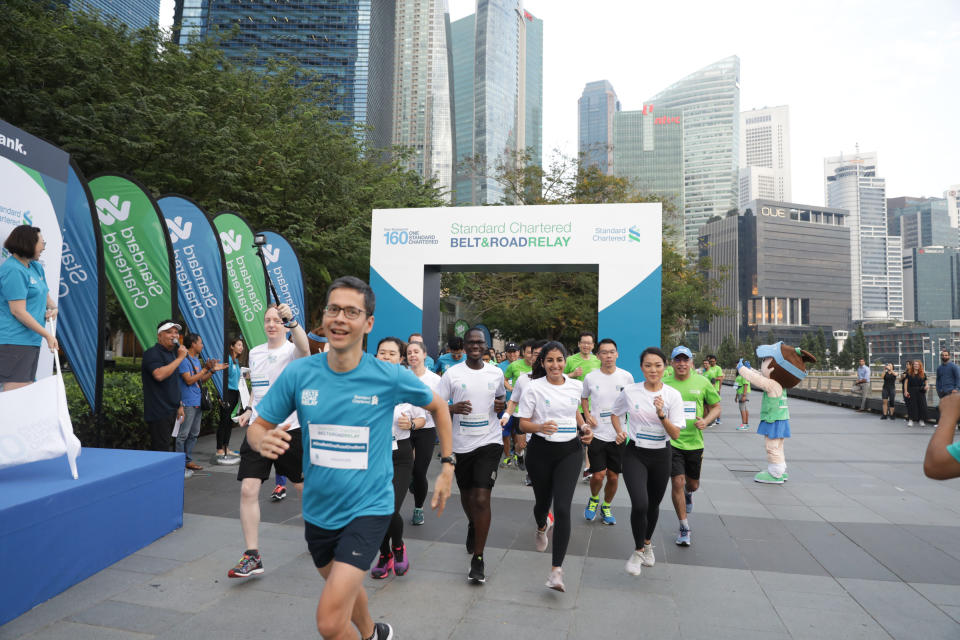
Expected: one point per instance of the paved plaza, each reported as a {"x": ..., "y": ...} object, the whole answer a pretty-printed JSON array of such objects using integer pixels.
[{"x": 858, "y": 544}]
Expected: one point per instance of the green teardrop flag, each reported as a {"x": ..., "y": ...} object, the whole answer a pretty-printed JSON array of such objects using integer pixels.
[{"x": 245, "y": 280}]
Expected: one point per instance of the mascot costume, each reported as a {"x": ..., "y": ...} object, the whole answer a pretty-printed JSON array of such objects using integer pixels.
[{"x": 781, "y": 367}]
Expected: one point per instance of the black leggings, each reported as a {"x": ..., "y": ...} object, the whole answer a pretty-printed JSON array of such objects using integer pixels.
[
  {"x": 554, "y": 469},
  {"x": 230, "y": 398},
  {"x": 646, "y": 473},
  {"x": 422, "y": 441},
  {"x": 402, "y": 463}
]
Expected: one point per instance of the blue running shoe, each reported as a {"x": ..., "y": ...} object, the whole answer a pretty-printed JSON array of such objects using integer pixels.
[
  {"x": 607, "y": 516},
  {"x": 683, "y": 540},
  {"x": 590, "y": 513}
]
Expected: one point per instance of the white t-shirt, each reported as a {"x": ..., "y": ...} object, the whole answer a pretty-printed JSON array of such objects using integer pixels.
[
  {"x": 642, "y": 422},
  {"x": 265, "y": 367},
  {"x": 412, "y": 411},
  {"x": 522, "y": 382},
  {"x": 603, "y": 390},
  {"x": 432, "y": 380},
  {"x": 481, "y": 387},
  {"x": 542, "y": 401}
]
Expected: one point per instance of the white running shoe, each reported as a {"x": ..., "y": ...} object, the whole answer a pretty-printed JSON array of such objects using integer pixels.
[
  {"x": 635, "y": 563},
  {"x": 555, "y": 581},
  {"x": 909, "y": 423},
  {"x": 541, "y": 536},
  {"x": 647, "y": 556}
]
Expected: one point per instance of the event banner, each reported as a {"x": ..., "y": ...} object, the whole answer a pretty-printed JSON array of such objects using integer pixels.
[
  {"x": 81, "y": 323},
  {"x": 245, "y": 281},
  {"x": 200, "y": 274},
  {"x": 137, "y": 255},
  {"x": 283, "y": 269},
  {"x": 33, "y": 188}
]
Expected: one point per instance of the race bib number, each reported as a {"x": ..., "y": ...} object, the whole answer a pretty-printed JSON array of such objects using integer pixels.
[
  {"x": 605, "y": 416},
  {"x": 474, "y": 424},
  {"x": 566, "y": 430},
  {"x": 339, "y": 447},
  {"x": 689, "y": 410}
]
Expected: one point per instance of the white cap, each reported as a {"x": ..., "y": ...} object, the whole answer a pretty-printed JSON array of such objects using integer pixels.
[{"x": 168, "y": 325}]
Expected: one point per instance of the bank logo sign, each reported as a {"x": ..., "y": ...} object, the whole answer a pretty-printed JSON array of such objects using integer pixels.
[
  {"x": 231, "y": 241},
  {"x": 634, "y": 233},
  {"x": 109, "y": 210},
  {"x": 270, "y": 254},
  {"x": 179, "y": 230}
]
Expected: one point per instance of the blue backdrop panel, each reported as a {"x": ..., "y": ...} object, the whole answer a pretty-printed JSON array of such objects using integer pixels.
[
  {"x": 632, "y": 322},
  {"x": 56, "y": 531}
]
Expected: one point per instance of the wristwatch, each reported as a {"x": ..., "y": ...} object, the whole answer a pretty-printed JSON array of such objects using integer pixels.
[
  {"x": 290, "y": 324},
  {"x": 450, "y": 459}
]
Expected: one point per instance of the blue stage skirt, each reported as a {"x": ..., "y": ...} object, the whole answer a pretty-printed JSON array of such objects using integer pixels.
[{"x": 778, "y": 429}]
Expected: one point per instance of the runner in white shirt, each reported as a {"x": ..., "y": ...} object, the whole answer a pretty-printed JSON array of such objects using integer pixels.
[
  {"x": 266, "y": 363},
  {"x": 654, "y": 415},
  {"x": 422, "y": 440},
  {"x": 601, "y": 387},
  {"x": 476, "y": 394},
  {"x": 406, "y": 417},
  {"x": 549, "y": 409}
]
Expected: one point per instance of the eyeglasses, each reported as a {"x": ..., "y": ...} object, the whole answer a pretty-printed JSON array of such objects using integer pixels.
[{"x": 351, "y": 313}]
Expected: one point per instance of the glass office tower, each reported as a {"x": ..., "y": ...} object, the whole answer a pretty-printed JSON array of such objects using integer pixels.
[
  {"x": 595, "y": 112},
  {"x": 421, "y": 105},
  {"x": 136, "y": 14},
  {"x": 710, "y": 103},
  {"x": 532, "y": 65},
  {"x": 462, "y": 47}
]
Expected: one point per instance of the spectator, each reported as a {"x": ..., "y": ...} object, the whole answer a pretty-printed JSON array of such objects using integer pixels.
[
  {"x": 23, "y": 286},
  {"x": 915, "y": 393},
  {"x": 192, "y": 375},
  {"x": 948, "y": 376},
  {"x": 231, "y": 396},
  {"x": 161, "y": 389},
  {"x": 863, "y": 384},
  {"x": 889, "y": 393}
]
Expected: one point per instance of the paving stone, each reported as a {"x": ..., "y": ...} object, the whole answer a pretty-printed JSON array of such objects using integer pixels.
[{"x": 128, "y": 617}]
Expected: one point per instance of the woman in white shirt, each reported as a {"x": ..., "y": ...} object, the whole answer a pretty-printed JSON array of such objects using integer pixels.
[
  {"x": 422, "y": 440},
  {"x": 654, "y": 416},
  {"x": 549, "y": 410},
  {"x": 406, "y": 417}
]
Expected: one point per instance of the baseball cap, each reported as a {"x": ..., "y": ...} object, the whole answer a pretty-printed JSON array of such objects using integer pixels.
[
  {"x": 512, "y": 346},
  {"x": 680, "y": 351},
  {"x": 168, "y": 324}
]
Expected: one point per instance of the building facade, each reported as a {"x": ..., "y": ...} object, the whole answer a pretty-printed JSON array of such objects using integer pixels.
[
  {"x": 462, "y": 55},
  {"x": 876, "y": 270},
  {"x": 422, "y": 116},
  {"x": 921, "y": 222},
  {"x": 595, "y": 112},
  {"x": 532, "y": 67},
  {"x": 765, "y": 154},
  {"x": 785, "y": 269},
  {"x": 710, "y": 103},
  {"x": 930, "y": 284},
  {"x": 136, "y": 14}
]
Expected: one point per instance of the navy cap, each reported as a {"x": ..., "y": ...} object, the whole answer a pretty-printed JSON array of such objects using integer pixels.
[
  {"x": 681, "y": 351},
  {"x": 512, "y": 346}
]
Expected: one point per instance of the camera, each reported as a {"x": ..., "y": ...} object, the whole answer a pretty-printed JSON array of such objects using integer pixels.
[{"x": 259, "y": 240}]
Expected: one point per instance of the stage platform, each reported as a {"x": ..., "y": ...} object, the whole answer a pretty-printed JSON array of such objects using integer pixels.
[{"x": 56, "y": 531}]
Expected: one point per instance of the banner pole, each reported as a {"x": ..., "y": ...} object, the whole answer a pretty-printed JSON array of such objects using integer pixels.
[{"x": 263, "y": 261}]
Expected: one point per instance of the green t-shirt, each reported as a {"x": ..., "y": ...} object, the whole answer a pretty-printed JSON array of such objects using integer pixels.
[
  {"x": 516, "y": 369},
  {"x": 696, "y": 392},
  {"x": 715, "y": 376},
  {"x": 587, "y": 364},
  {"x": 741, "y": 385},
  {"x": 668, "y": 374}
]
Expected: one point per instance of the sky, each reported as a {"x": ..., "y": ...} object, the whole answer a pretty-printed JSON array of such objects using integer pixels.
[{"x": 881, "y": 74}]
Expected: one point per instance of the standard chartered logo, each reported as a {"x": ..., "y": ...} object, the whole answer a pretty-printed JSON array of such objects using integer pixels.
[
  {"x": 231, "y": 241},
  {"x": 178, "y": 230},
  {"x": 270, "y": 254},
  {"x": 634, "y": 233},
  {"x": 110, "y": 210}
]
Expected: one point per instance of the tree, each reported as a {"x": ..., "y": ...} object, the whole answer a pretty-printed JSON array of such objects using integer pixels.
[
  {"x": 192, "y": 122},
  {"x": 727, "y": 354},
  {"x": 690, "y": 286}
]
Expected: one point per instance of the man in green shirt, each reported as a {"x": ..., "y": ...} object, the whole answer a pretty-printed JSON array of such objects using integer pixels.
[
  {"x": 580, "y": 364},
  {"x": 715, "y": 375},
  {"x": 701, "y": 406}
]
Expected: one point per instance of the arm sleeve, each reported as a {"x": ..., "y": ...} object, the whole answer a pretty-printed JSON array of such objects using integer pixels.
[
  {"x": 528, "y": 403},
  {"x": 710, "y": 395},
  {"x": 443, "y": 390},
  {"x": 585, "y": 388},
  {"x": 185, "y": 366},
  {"x": 501, "y": 390},
  {"x": 13, "y": 284},
  {"x": 621, "y": 406},
  {"x": 675, "y": 413},
  {"x": 412, "y": 390},
  {"x": 280, "y": 401}
]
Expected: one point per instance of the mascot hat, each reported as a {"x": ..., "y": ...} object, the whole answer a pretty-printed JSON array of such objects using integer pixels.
[{"x": 789, "y": 363}]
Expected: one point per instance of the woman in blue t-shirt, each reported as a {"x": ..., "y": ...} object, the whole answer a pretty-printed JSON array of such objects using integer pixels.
[
  {"x": 25, "y": 306},
  {"x": 231, "y": 395}
]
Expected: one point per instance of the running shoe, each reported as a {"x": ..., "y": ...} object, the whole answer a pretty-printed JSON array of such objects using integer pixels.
[
  {"x": 471, "y": 534},
  {"x": 527, "y": 481},
  {"x": 521, "y": 463},
  {"x": 555, "y": 580},
  {"x": 716, "y": 422},
  {"x": 586, "y": 475},
  {"x": 883, "y": 416},
  {"x": 689, "y": 497},
  {"x": 683, "y": 539},
  {"x": 540, "y": 537},
  {"x": 187, "y": 473},
  {"x": 382, "y": 569},
  {"x": 646, "y": 556},
  {"x": 765, "y": 477},
  {"x": 417, "y": 519},
  {"x": 227, "y": 459},
  {"x": 590, "y": 513},
  {"x": 635, "y": 563},
  {"x": 401, "y": 563},
  {"x": 476, "y": 574},
  {"x": 743, "y": 427},
  {"x": 249, "y": 565},
  {"x": 382, "y": 631},
  {"x": 279, "y": 493},
  {"x": 909, "y": 423},
  {"x": 606, "y": 515},
  {"x": 505, "y": 463}
]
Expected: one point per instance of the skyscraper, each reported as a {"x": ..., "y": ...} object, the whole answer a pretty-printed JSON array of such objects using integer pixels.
[
  {"x": 920, "y": 222},
  {"x": 876, "y": 275},
  {"x": 189, "y": 20},
  {"x": 136, "y": 14},
  {"x": 595, "y": 112},
  {"x": 497, "y": 107},
  {"x": 765, "y": 154},
  {"x": 930, "y": 290},
  {"x": 710, "y": 103},
  {"x": 348, "y": 43},
  {"x": 422, "y": 98}
]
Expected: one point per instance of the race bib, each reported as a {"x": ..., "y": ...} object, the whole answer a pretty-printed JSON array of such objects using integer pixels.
[
  {"x": 474, "y": 424},
  {"x": 566, "y": 430},
  {"x": 259, "y": 380},
  {"x": 605, "y": 416},
  {"x": 689, "y": 410},
  {"x": 339, "y": 447}
]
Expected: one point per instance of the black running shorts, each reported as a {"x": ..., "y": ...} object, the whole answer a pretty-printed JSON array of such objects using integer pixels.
[
  {"x": 477, "y": 469},
  {"x": 685, "y": 462},
  {"x": 357, "y": 544},
  {"x": 290, "y": 464},
  {"x": 605, "y": 456}
]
